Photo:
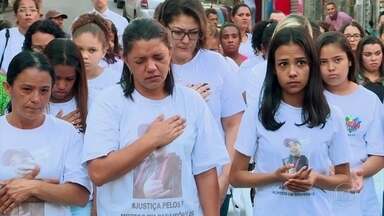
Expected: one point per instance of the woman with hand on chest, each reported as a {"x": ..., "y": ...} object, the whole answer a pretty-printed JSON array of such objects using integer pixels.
[
  {"x": 148, "y": 143},
  {"x": 40, "y": 171}
]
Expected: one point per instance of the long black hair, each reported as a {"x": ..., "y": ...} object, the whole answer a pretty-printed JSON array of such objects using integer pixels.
[
  {"x": 262, "y": 35},
  {"x": 28, "y": 59},
  {"x": 24, "y": 60},
  {"x": 315, "y": 109},
  {"x": 143, "y": 29},
  {"x": 65, "y": 52}
]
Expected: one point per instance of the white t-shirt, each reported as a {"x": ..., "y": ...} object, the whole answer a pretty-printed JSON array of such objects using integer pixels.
[
  {"x": 364, "y": 122},
  {"x": 365, "y": 129},
  {"x": 209, "y": 67},
  {"x": 245, "y": 48},
  {"x": 66, "y": 107},
  {"x": 232, "y": 64},
  {"x": 117, "y": 66},
  {"x": 251, "y": 62},
  {"x": 115, "y": 122},
  {"x": 299, "y": 145},
  {"x": 120, "y": 22},
  {"x": 15, "y": 45},
  {"x": 54, "y": 147},
  {"x": 253, "y": 79},
  {"x": 107, "y": 78}
]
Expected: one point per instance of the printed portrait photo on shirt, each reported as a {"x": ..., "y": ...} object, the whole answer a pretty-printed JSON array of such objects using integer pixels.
[
  {"x": 20, "y": 163},
  {"x": 295, "y": 157},
  {"x": 159, "y": 175}
]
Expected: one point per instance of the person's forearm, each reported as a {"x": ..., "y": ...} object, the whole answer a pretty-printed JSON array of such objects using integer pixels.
[
  {"x": 340, "y": 181},
  {"x": 208, "y": 190},
  {"x": 241, "y": 177},
  {"x": 244, "y": 179},
  {"x": 231, "y": 127},
  {"x": 372, "y": 165},
  {"x": 224, "y": 182},
  {"x": 66, "y": 194},
  {"x": 118, "y": 163},
  {"x": 230, "y": 137}
]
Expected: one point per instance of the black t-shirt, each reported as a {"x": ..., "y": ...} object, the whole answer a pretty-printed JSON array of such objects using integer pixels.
[{"x": 377, "y": 88}]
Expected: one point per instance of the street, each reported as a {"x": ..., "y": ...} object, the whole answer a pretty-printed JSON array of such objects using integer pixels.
[{"x": 72, "y": 8}]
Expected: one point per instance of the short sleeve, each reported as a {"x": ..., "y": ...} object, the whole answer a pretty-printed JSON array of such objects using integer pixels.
[
  {"x": 209, "y": 150},
  {"x": 374, "y": 138},
  {"x": 74, "y": 171},
  {"x": 102, "y": 134},
  {"x": 254, "y": 82},
  {"x": 246, "y": 142},
  {"x": 232, "y": 101},
  {"x": 339, "y": 148}
]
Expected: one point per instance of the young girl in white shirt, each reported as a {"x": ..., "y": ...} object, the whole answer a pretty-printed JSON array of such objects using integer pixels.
[
  {"x": 90, "y": 33},
  {"x": 69, "y": 99},
  {"x": 40, "y": 167},
  {"x": 153, "y": 147},
  {"x": 363, "y": 115},
  {"x": 292, "y": 135}
]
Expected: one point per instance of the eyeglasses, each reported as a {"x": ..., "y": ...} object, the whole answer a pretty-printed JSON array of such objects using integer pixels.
[
  {"x": 354, "y": 36},
  {"x": 180, "y": 34},
  {"x": 26, "y": 10}
]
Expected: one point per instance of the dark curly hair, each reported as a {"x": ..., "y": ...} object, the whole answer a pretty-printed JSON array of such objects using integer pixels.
[
  {"x": 43, "y": 26},
  {"x": 97, "y": 26}
]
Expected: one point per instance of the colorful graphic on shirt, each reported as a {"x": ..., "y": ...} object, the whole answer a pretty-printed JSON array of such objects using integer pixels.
[
  {"x": 352, "y": 123},
  {"x": 23, "y": 165},
  {"x": 159, "y": 175},
  {"x": 295, "y": 157}
]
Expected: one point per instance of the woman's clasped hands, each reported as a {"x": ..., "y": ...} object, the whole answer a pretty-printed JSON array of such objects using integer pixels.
[{"x": 301, "y": 181}]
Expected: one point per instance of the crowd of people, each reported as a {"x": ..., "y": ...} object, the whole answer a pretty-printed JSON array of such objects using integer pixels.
[{"x": 170, "y": 115}]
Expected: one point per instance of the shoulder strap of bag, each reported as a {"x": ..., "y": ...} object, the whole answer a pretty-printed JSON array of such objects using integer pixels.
[{"x": 7, "y": 35}]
